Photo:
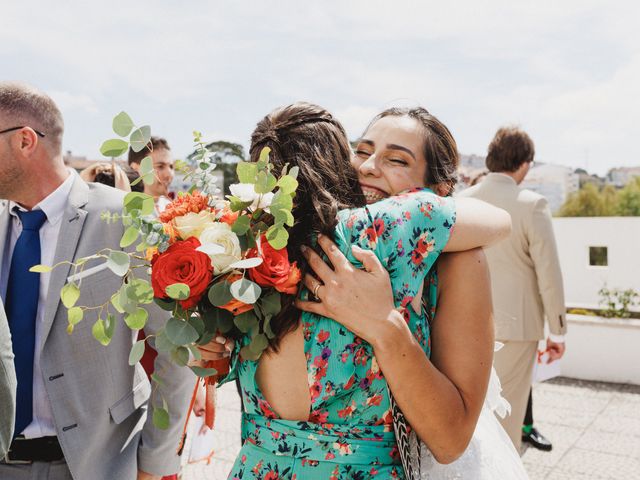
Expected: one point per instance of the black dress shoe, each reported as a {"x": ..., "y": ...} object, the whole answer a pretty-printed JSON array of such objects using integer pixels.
[{"x": 537, "y": 440}]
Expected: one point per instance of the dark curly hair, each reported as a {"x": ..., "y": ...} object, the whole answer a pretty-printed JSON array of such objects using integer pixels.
[{"x": 307, "y": 136}]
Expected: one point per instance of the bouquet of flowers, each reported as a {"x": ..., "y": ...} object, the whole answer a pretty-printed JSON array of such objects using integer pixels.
[{"x": 218, "y": 265}]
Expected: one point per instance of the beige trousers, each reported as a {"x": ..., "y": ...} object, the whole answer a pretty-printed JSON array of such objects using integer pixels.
[{"x": 514, "y": 366}]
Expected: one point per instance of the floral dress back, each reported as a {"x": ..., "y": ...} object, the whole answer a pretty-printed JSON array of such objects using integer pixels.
[{"x": 349, "y": 433}]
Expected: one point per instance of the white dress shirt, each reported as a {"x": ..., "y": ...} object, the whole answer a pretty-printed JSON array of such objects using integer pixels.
[{"x": 53, "y": 206}]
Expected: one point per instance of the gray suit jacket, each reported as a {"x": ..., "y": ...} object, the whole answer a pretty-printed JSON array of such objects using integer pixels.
[
  {"x": 525, "y": 270},
  {"x": 99, "y": 402},
  {"x": 7, "y": 385}
]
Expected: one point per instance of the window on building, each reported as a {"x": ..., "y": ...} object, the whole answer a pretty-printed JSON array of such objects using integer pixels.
[{"x": 598, "y": 256}]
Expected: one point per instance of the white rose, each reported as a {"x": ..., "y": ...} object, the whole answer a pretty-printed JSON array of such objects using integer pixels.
[
  {"x": 222, "y": 246},
  {"x": 246, "y": 193},
  {"x": 192, "y": 224}
]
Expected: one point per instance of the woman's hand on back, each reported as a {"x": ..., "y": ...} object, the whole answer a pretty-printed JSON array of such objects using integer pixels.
[{"x": 361, "y": 300}]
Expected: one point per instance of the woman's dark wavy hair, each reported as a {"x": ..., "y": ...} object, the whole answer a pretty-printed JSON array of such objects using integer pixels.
[
  {"x": 440, "y": 148},
  {"x": 307, "y": 136}
]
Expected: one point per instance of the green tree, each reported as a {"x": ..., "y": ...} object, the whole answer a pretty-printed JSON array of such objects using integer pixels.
[
  {"x": 628, "y": 204},
  {"x": 586, "y": 202}
]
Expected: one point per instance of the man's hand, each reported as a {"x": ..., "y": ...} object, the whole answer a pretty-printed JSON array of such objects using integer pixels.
[
  {"x": 361, "y": 300},
  {"x": 147, "y": 476},
  {"x": 555, "y": 349}
]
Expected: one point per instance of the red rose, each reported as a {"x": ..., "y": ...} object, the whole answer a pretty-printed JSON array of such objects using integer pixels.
[
  {"x": 181, "y": 263},
  {"x": 275, "y": 269}
]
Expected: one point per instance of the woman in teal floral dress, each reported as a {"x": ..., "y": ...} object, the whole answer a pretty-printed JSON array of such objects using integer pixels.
[{"x": 337, "y": 425}]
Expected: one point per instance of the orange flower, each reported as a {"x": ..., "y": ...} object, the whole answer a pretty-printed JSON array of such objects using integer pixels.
[
  {"x": 275, "y": 270},
  {"x": 191, "y": 202},
  {"x": 228, "y": 216}
]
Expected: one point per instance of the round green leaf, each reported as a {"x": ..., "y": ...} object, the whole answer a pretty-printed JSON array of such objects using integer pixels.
[
  {"x": 248, "y": 354},
  {"x": 288, "y": 184},
  {"x": 122, "y": 124},
  {"x": 74, "y": 315},
  {"x": 136, "y": 352},
  {"x": 139, "y": 201},
  {"x": 69, "y": 294},
  {"x": 137, "y": 320},
  {"x": 162, "y": 342},
  {"x": 293, "y": 173},
  {"x": 40, "y": 269},
  {"x": 167, "y": 305},
  {"x": 140, "y": 138},
  {"x": 178, "y": 291},
  {"x": 241, "y": 225},
  {"x": 220, "y": 294},
  {"x": 99, "y": 331},
  {"x": 265, "y": 182},
  {"x": 197, "y": 323},
  {"x": 118, "y": 262},
  {"x": 247, "y": 172},
  {"x": 277, "y": 236},
  {"x": 245, "y": 321},
  {"x": 130, "y": 235},
  {"x": 180, "y": 332},
  {"x": 114, "y": 147},
  {"x": 203, "y": 372},
  {"x": 259, "y": 343},
  {"x": 245, "y": 290},
  {"x": 270, "y": 304},
  {"x": 264, "y": 155},
  {"x": 247, "y": 263},
  {"x": 180, "y": 355},
  {"x": 160, "y": 418}
]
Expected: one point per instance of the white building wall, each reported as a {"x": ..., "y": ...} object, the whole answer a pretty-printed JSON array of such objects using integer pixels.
[{"x": 621, "y": 235}]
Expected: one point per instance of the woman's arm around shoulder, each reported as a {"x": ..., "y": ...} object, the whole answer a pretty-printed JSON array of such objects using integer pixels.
[{"x": 478, "y": 224}]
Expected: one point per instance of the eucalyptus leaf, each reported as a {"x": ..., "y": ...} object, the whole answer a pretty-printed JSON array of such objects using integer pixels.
[
  {"x": 160, "y": 418},
  {"x": 122, "y": 124},
  {"x": 248, "y": 354},
  {"x": 137, "y": 320},
  {"x": 270, "y": 303},
  {"x": 40, "y": 269},
  {"x": 246, "y": 263},
  {"x": 246, "y": 291},
  {"x": 118, "y": 262},
  {"x": 277, "y": 236},
  {"x": 139, "y": 201},
  {"x": 178, "y": 291},
  {"x": 115, "y": 301},
  {"x": 264, "y": 155},
  {"x": 75, "y": 315},
  {"x": 99, "y": 331},
  {"x": 180, "y": 355},
  {"x": 247, "y": 172},
  {"x": 164, "y": 304},
  {"x": 197, "y": 323},
  {"x": 162, "y": 342},
  {"x": 180, "y": 332},
  {"x": 259, "y": 343},
  {"x": 288, "y": 184},
  {"x": 140, "y": 138},
  {"x": 293, "y": 173},
  {"x": 140, "y": 290},
  {"x": 69, "y": 294},
  {"x": 245, "y": 321},
  {"x": 157, "y": 379},
  {"x": 137, "y": 351},
  {"x": 265, "y": 182},
  {"x": 203, "y": 372},
  {"x": 220, "y": 294},
  {"x": 114, "y": 147},
  {"x": 241, "y": 225},
  {"x": 130, "y": 235}
]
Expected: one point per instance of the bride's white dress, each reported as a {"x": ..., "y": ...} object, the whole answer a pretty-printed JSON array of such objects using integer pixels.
[{"x": 490, "y": 454}]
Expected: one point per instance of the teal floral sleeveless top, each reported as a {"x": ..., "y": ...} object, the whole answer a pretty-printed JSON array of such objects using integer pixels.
[{"x": 349, "y": 433}]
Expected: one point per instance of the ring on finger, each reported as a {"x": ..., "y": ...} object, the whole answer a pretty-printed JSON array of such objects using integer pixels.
[{"x": 316, "y": 288}]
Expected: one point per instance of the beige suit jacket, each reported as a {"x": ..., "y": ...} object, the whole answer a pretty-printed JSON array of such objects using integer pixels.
[{"x": 525, "y": 270}]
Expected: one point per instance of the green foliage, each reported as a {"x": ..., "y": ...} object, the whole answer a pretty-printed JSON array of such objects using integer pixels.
[
  {"x": 617, "y": 302},
  {"x": 178, "y": 291},
  {"x": 69, "y": 294},
  {"x": 590, "y": 201},
  {"x": 220, "y": 294},
  {"x": 245, "y": 290},
  {"x": 118, "y": 262},
  {"x": 136, "y": 320},
  {"x": 160, "y": 418},
  {"x": 138, "y": 203},
  {"x": 203, "y": 372},
  {"x": 140, "y": 138},
  {"x": 137, "y": 351},
  {"x": 114, "y": 147},
  {"x": 122, "y": 124},
  {"x": 103, "y": 330},
  {"x": 180, "y": 332},
  {"x": 40, "y": 269}
]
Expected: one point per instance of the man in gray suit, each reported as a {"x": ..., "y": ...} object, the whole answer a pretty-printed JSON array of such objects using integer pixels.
[
  {"x": 7, "y": 385},
  {"x": 526, "y": 280},
  {"x": 86, "y": 408}
]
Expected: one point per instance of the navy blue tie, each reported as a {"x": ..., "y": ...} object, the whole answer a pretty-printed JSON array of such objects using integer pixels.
[{"x": 23, "y": 290}]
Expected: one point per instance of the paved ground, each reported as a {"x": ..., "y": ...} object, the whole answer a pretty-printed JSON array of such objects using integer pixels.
[{"x": 595, "y": 429}]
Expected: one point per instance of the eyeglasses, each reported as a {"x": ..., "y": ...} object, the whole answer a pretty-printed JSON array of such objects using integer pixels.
[{"x": 40, "y": 134}]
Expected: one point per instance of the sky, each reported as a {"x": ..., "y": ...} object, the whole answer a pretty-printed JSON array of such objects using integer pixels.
[{"x": 567, "y": 72}]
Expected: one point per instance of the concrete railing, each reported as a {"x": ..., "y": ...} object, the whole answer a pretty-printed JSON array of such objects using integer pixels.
[{"x": 603, "y": 349}]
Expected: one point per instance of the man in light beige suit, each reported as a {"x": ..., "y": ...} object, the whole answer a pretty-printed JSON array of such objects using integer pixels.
[
  {"x": 7, "y": 385},
  {"x": 525, "y": 272}
]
